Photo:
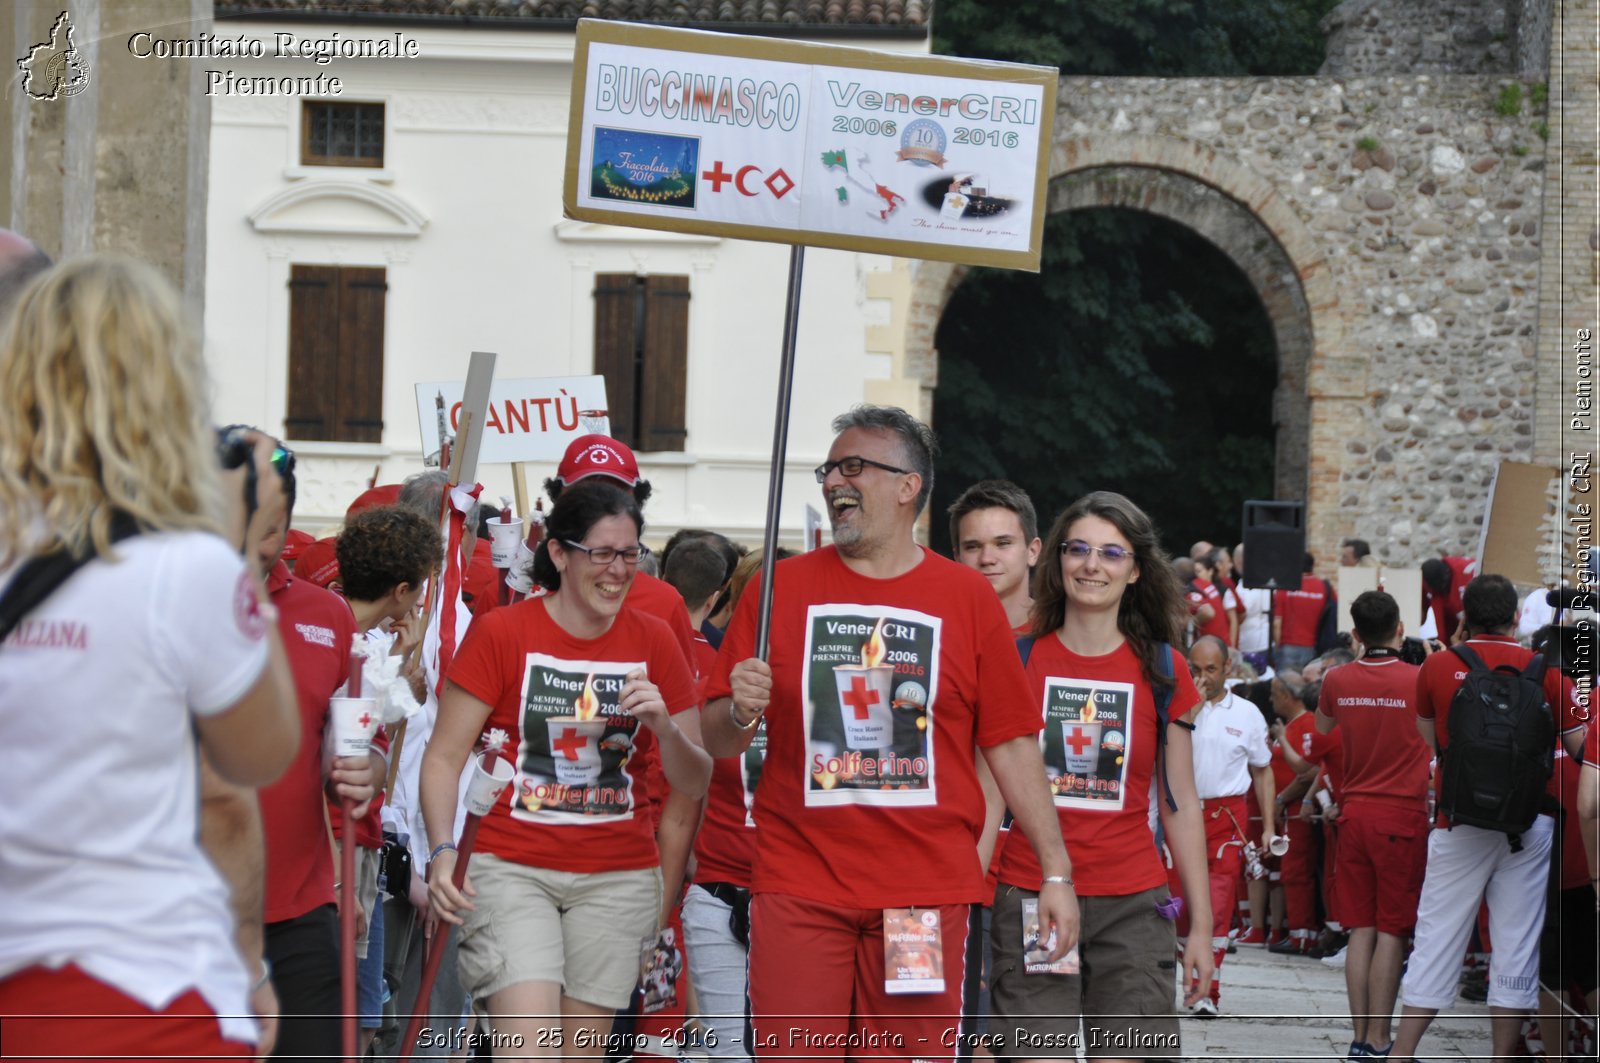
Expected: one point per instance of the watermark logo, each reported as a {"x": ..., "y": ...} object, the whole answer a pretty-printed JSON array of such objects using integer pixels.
[{"x": 55, "y": 69}]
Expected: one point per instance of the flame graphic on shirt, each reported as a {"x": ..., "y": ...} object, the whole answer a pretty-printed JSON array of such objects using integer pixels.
[
  {"x": 587, "y": 707},
  {"x": 873, "y": 653},
  {"x": 1088, "y": 713}
]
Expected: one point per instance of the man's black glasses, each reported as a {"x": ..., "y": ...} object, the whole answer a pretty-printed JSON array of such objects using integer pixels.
[{"x": 851, "y": 467}]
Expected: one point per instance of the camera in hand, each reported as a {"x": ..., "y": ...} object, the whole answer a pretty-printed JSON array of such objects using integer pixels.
[{"x": 233, "y": 446}]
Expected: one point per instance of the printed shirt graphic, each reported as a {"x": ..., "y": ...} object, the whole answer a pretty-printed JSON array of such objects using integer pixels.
[
  {"x": 572, "y": 775},
  {"x": 853, "y": 843},
  {"x": 1104, "y": 807},
  {"x": 574, "y": 743},
  {"x": 1084, "y": 742},
  {"x": 872, "y": 674}
]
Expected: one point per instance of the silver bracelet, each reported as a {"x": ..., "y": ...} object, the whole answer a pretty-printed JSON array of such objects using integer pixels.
[
  {"x": 266, "y": 976},
  {"x": 1060, "y": 879},
  {"x": 733, "y": 714}
]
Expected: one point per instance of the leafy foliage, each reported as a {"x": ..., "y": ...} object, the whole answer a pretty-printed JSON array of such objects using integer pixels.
[
  {"x": 1139, "y": 360},
  {"x": 1139, "y": 38}
]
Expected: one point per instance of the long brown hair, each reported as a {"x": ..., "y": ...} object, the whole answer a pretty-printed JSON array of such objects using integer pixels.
[{"x": 1151, "y": 611}]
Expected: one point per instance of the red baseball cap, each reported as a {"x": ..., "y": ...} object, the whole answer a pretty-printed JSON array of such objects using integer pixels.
[
  {"x": 318, "y": 563},
  {"x": 294, "y": 541},
  {"x": 373, "y": 497},
  {"x": 597, "y": 455}
]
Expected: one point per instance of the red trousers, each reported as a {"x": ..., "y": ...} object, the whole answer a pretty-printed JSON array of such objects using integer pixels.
[
  {"x": 1298, "y": 868},
  {"x": 67, "y": 1016}
]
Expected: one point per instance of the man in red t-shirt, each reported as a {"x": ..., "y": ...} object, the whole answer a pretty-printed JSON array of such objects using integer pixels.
[
  {"x": 302, "y": 922},
  {"x": 1383, "y": 844},
  {"x": 995, "y": 530},
  {"x": 1292, "y": 776},
  {"x": 1468, "y": 865},
  {"x": 888, "y": 666},
  {"x": 1443, "y": 579},
  {"x": 1299, "y": 613}
]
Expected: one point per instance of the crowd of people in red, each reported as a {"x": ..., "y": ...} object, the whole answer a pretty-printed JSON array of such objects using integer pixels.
[{"x": 1019, "y": 802}]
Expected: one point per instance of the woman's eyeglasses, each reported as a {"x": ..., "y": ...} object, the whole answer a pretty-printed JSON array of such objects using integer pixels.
[
  {"x": 604, "y": 555},
  {"x": 1080, "y": 551}
]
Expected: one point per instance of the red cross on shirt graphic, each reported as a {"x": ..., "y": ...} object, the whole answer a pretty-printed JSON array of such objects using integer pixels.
[
  {"x": 569, "y": 743},
  {"x": 860, "y": 696},
  {"x": 1078, "y": 741}
]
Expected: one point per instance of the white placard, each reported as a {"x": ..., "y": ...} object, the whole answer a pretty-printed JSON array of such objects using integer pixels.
[
  {"x": 919, "y": 156},
  {"x": 532, "y": 419}
]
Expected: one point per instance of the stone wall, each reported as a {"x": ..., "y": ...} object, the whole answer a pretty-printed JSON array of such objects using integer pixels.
[
  {"x": 1376, "y": 37},
  {"x": 1411, "y": 210}
]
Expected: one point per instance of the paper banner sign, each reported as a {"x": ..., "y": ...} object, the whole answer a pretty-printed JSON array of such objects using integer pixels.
[
  {"x": 526, "y": 420},
  {"x": 760, "y": 139}
]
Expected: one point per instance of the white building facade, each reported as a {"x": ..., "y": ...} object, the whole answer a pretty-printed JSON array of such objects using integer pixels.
[{"x": 326, "y": 270}]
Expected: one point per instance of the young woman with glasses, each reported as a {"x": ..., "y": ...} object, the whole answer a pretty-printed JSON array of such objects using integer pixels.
[
  {"x": 1107, "y": 611},
  {"x": 566, "y": 885}
]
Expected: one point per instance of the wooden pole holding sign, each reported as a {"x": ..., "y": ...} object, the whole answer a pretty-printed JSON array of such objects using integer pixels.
[{"x": 780, "y": 445}]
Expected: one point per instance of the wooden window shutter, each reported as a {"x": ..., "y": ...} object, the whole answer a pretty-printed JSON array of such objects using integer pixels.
[
  {"x": 313, "y": 351},
  {"x": 666, "y": 364},
  {"x": 617, "y": 350},
  {"x": 362, "y": 295}
]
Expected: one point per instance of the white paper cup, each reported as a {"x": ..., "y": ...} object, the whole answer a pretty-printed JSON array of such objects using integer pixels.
[
  {"x": 1278, "y": 845},
  {"x": 485, "y": 788},
  {"x": 864, "y": 701},
  {"x": 504, "y": 538},
  {"x": 1080, "y": 740},
  {"x": 353, "y": 722},
  {"x": 575, "y": 748}
]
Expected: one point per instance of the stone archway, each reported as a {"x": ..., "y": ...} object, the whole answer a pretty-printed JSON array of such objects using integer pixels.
[{"x": 1318, "y": 396}]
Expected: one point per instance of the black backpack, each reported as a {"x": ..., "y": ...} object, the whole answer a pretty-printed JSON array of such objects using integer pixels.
[{"x": 1502, "y": 747}]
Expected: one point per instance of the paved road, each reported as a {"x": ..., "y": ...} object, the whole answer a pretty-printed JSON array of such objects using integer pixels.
[{"x": 1290, "y": 1008}]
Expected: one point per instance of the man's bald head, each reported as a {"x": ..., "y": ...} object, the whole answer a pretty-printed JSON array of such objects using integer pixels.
[{"x": 20, "y": 261}]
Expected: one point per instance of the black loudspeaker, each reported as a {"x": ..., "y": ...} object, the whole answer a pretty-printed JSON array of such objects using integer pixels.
[{"x": 1274, "y": 544}]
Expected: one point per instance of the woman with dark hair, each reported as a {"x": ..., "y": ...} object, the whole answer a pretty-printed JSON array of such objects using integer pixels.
[
  {"x": 566, "y": 885},
  {"x": 1100, "y": 657}
]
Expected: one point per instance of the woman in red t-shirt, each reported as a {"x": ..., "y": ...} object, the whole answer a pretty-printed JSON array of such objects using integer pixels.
[
  {"x": 1103, "y": 613},
  {"x": 565, "y": 890}
]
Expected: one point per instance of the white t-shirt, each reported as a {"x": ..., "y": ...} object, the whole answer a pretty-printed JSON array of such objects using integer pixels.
[
  {"x": 1253, "y": 628},
  {"x": 100, "y": 859},
  {"x": 1230, "y": 737}
]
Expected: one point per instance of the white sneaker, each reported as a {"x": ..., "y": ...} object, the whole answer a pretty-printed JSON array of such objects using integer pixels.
[
  {"x": 1336, "y": 960},
  {"x": 1205, "y": 1009}
]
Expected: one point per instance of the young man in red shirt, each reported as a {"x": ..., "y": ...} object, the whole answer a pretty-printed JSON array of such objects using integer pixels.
[
  {"x": 1383, "y": 843},
  {"x": 1468, "y": 864},
  {"x": 1294, "y": 629},
  {"x": 994, "y": 529},
  {"x": 889, "y": 666}
]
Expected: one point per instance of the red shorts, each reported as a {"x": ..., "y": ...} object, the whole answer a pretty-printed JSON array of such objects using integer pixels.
[
  {"x": 1383, "y": 852},
  {"x": 102, "y": 1023},
  {"x": 817, "y": 991}
]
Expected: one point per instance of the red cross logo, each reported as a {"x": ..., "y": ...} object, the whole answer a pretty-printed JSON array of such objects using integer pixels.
[
  {"x": 860, "y": 697},
  {"x": 1079, "y": 741},
  {"x": 570, "y": 742},
  {"x": 364, "y": 719},
  {"x": 717, "y": 176}
]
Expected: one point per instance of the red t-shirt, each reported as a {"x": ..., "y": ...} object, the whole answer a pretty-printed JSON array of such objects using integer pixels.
[
  {"x": 1374, "y": 703},
  {"x": 1441, "y": 675},
  {"x": 481, "y": 581},
  {"x": 1301, "y": 733},
  {"x": 725, "y": 848},
  {"x": 856, "y": 807},
  {"x": 1300, "y": 610},
  {"x": 318, "y": 630},
  {"x": 704, "y": 659},
  {"x": 581, "y": 798},
  {"x": 1104, "y": 811},
  {"x": 1201, "y": 593},
  {"x": 1446, "y": 608},
  {"x": 1574, "y": 859},
  {"x": 661, "y": 599}
]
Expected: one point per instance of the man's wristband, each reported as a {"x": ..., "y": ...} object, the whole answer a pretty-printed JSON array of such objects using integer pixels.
[
  {"x": 1062, "y": 880},
  {"x": 441, "y": 847},
  {"x": 733, "y": 714}
]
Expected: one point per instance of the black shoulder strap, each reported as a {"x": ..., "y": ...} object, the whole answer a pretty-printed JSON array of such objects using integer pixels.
[
  {"x": 1025, "y": 648},
  {"x": 1470, "y": 656},
  {"x": 1163, "y": 696},
  {"x": 39, "y": 577}
]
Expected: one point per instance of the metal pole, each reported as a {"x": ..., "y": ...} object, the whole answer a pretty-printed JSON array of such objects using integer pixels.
[{"x": 780, "y": 446}]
